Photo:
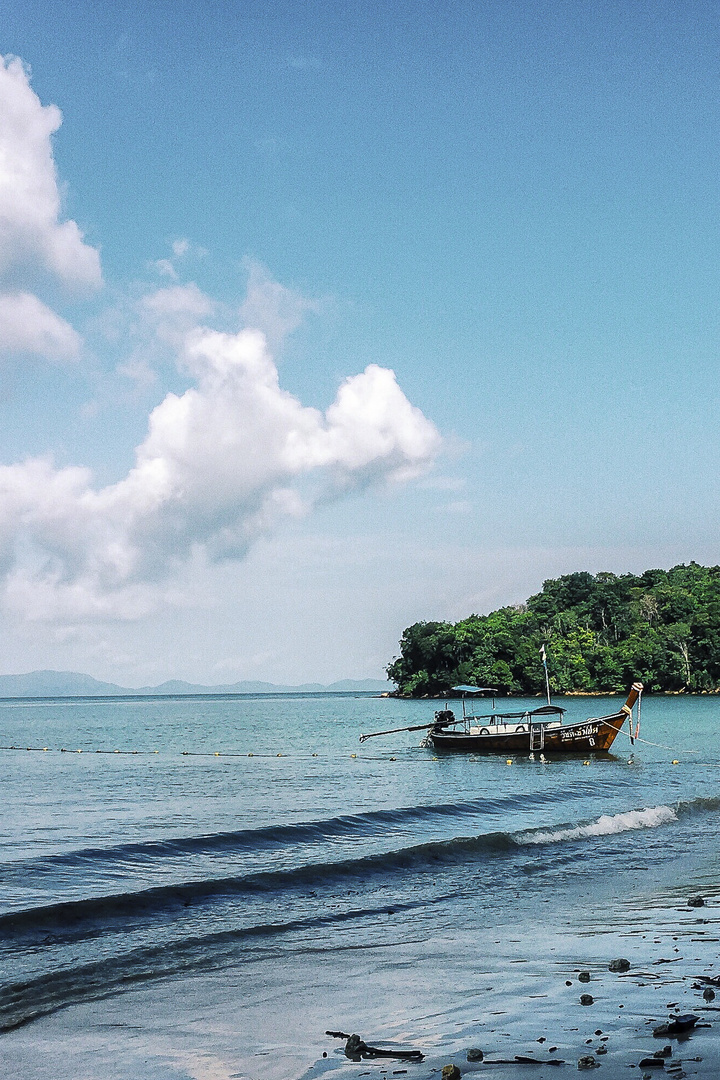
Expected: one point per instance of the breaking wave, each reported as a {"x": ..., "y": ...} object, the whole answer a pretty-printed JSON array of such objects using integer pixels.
[{"x": 606, "y": 825}]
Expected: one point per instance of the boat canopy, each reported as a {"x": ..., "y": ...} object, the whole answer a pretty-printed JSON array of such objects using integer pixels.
[{"x": 476, "y": 689}]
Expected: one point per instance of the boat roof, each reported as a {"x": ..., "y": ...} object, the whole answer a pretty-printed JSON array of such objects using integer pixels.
[
  {"x": 476, "y": 689},
  {"x": 544, "y": 710}
]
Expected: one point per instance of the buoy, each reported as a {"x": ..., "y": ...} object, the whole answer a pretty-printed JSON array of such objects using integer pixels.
[
  {"x": 675, "y": 762},
  {"x": 217, "y": 753},
  {"x": 314, "y": 755},
  {"x": 586, "y": 762},
  {"x": 393, "y": 759},
  {"x": 278, "y": 755},
  {"x": 251, "y": 755},
  {"x": 353, "y": 755},
  {"x": 509, "y": 761}
]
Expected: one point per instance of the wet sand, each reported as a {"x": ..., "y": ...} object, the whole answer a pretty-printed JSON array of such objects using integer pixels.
[
  {"x": 508, "y": 996},
  {"x": 542, "y": 1017}
]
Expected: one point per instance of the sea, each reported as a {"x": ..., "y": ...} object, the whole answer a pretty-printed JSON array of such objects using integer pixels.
[{"x": 200, "y": 888}]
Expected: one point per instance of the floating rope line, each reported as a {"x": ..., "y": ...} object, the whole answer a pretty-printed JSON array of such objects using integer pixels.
[
  {"x": 632, "y": 736},
  {"x": 207, "y": 754}
]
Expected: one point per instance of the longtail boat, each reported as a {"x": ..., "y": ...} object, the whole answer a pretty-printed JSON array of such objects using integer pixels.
[{"x": 531, "y": 730}]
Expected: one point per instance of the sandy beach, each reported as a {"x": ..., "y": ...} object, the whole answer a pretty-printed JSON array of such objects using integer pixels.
[
  {"x": 267, "y": 1020},
  {"x": 673, "y": 959}
]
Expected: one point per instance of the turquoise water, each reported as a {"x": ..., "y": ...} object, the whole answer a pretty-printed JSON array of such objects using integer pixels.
[{"x": 216, "y": 853}]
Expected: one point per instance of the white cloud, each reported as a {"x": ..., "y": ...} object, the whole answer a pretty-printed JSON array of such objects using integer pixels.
[
  {"x": 29, "y": 326},
  {"x": 178, "y": 301},
  {"x": 165, "y": 316},
  {"x": 165, "y": 268},
  {"x": 221, "y": 465},
  {"x": 35, "y": 244},
  {"x": 180, "y": 249},
  {"x": 31, "y": 232},
  {"x": 272, "y": 307}
]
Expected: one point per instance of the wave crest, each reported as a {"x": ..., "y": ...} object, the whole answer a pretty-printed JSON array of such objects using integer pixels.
[{"x": 606, "y": 825}]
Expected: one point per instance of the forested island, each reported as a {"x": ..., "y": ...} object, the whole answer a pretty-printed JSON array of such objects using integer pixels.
[{"x": 601, "y": 632}]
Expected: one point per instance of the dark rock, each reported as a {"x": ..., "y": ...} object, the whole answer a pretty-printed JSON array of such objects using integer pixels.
[
  {"x": 568, "y": 982},
  {"x": 652, "y": 1063},
  {"x": 696, "y": 901},
  {"x": 584, "y": 976},
  {"x": 587, "y": 999},
  {"x": 677, "y": 1025},
  {"x": 598, "y": 1031},
  {"x": 601, "y": 1050},
  {"x": 666, "y": 1052},
  {"x": 709, "y": 994},
  {"x": 587, "y": 1061},
  {"x": 620, "y": 964},
  {"x": 474, "y": 1054},
  {"x": 683, "y": 1022}
]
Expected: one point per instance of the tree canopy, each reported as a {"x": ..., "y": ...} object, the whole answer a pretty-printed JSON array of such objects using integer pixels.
[{"x": 602, "y": 632}]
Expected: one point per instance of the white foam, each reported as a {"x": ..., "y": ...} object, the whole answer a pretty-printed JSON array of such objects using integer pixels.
[{"x": 607, "y": 825}]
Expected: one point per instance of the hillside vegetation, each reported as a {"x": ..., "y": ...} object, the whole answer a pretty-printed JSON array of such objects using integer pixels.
[{"x": 602, "y": 632}]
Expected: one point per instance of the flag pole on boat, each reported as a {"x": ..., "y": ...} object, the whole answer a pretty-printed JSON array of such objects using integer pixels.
[{"x": 543, "y": 657}]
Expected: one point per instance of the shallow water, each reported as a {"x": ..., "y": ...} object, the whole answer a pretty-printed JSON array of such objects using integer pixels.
[{"x": 212, "y": 882}]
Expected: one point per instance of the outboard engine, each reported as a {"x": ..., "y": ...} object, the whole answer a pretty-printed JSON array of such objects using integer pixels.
[{"x": 444, "y": 717}]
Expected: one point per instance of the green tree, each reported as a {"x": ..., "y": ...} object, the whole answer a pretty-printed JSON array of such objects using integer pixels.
[{"x": 602, "y": 632}]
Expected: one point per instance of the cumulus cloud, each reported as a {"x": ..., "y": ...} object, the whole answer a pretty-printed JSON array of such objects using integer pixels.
[
  {"x": 29, "y": 326},
  {"x": 220, "y": 466},
  {"x": 31, "y": 232},
  {"x": 159, "y": 322},
  {"x": 35, "y": 244}
]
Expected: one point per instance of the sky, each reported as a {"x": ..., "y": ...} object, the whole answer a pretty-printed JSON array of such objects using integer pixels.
[{"x": 319, "y": 320}]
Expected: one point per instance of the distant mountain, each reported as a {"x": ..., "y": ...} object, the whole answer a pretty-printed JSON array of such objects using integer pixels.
[
  {"x": 74, "y": 684},
  {"x": 55, "y": 684}
]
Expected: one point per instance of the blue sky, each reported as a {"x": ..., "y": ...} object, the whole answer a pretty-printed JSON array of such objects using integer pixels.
[{"x": 512, "y": 207}]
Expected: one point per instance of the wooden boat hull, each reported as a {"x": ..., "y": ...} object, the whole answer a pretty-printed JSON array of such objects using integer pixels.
[{"x": 589, "y": 736}]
